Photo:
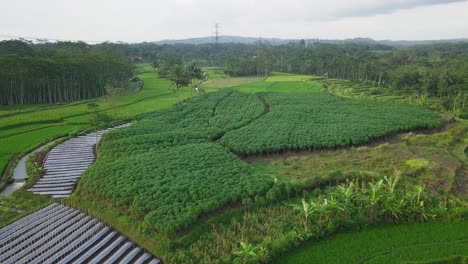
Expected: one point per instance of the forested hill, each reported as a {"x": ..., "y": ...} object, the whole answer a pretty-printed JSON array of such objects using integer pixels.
[
  {"x": 65, "y": 71},
  {"x": 280, "y": 41}
]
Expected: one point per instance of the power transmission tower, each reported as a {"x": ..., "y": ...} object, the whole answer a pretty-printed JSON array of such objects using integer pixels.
[{"x": 217, "y": 33}]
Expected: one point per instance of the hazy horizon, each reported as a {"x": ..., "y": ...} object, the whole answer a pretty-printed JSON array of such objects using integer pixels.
[{"x": 148, "y": 21}]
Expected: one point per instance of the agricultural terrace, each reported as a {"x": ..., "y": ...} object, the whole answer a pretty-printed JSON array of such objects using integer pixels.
[
  {"x": 29, "y": 126},
  {"x": 172, "y": 166}
]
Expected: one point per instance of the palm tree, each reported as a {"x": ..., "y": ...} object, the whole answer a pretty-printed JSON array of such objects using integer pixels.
[
  {"x": 195, "y": 73},
  {"x": 178, "y": 75}
]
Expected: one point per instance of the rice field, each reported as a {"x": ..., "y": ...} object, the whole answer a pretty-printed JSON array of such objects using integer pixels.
[{"x": 406, "y": 243}]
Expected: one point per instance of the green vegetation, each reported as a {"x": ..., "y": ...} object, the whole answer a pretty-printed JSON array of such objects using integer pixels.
[
  {"x": 29, "y": 75},
  {"x": 317, "y": 121},
  {"x": 408, "y": 243},
  {"x": 168, "y": 176},
  {"x": 432, "y": 72},
  {"x": 172, "y": 183},
  {"x": 215, "y": 72},
  {"x": 27, "y": 127},
  {"x": 20, "y": 204},
  {"x": 273, "y": 84},
  {"x": 178, "y": 141},
  {"x": 168, "y": 169},
  {"x": 216, "y": 83},
  {"x": 443, "y": 151}
]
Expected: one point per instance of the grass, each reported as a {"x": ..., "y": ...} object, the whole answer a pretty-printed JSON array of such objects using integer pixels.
[
  {"x": 229, "y": 82},
  {"x": 20, "y": 204},
  {"x": 387, "y": 244},
  {"x": 217, "y": 79},
  {"x": 24, "y": 128},
  {"x": 282, "y": 77},
  {"x": 382, "y": 159},
  {"x": 215, "y": 72},
  {"x": 280, "y": 86}
]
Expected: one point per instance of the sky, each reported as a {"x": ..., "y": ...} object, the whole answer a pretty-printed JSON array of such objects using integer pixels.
[{"x": 152, "y": 20}]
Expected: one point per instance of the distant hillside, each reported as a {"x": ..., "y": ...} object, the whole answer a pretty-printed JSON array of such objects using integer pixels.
[
  {"x": 278, "y": 41},
  {"x": 226, "y": 39}
]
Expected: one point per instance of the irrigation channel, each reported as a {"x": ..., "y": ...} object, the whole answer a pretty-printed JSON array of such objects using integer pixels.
[
  {"x": 61, "y": 234},
  {"x": 20, "y": 173}
]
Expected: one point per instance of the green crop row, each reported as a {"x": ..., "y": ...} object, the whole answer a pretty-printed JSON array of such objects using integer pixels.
[
  {"x": 168, "y": 170},
  {"x": 316, "y": 121},
  {"x": 406, "y": 243}
]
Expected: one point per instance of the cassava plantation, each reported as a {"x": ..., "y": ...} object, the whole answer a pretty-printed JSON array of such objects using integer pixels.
[{"x": 233, "y": 149}]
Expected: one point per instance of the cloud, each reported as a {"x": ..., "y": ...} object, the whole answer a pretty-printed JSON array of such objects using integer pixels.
[
  {"x": 372, "y": 8},
  {"x": 148, "y": 20}
]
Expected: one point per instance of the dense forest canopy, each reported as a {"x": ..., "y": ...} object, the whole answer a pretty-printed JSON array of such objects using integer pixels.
[
  {"x": 52, "y": 72},
  {"x": 438, "y": 70},
  {"x": 65, "y": 71}
]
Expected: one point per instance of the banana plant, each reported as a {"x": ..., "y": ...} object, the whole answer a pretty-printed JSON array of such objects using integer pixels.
[
  {"x": 374, "y": 198},
  {"x": 251, "y": 251},
  {"x": 347, "y": 194},
  {"x": 332, "y": 207},
  {"x": 306, "y": 210},
  {"x": 391, "y": 183}
]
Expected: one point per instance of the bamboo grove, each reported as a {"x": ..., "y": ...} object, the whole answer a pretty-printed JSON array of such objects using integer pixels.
[{"x": 33, "y": 75}]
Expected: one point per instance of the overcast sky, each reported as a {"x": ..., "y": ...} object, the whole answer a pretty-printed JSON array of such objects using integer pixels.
[{"x": 150, "y": 20}]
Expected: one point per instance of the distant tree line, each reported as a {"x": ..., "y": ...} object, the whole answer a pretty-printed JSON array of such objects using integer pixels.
[
  {"x": 49, "y": 73},
  {"x": 436, "y": 70}
]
